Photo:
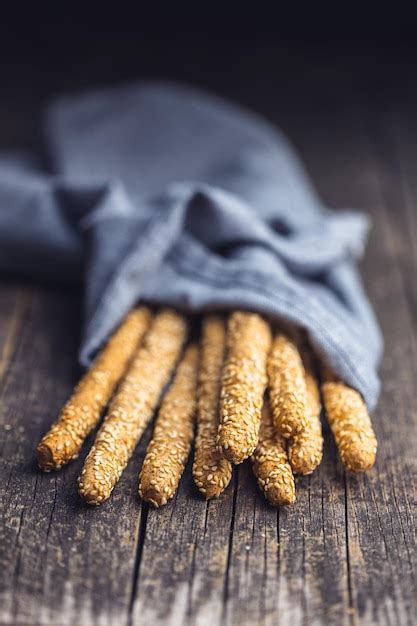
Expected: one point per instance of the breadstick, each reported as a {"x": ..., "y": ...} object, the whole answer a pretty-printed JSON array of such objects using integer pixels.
[
  {"x": 305, "y": 450},
  {"x": 132, "y": 406},
  {"x": 287, "y": 387},
  {"x": 211, "y": 471},
  {"x": 170, "y": 445},
  {"x": 243, "y": 385},
  {"x": 350, "y": 424},
  {"x": 270, "y": 464},
  {"x": 82, "y": 411}
]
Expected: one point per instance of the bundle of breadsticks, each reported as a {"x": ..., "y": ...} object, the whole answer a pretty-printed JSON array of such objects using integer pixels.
[{"x": 244, "y": 390}]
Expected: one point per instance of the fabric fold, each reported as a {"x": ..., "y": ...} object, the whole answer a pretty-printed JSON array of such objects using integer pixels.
[{"x": 163, "y": 194}]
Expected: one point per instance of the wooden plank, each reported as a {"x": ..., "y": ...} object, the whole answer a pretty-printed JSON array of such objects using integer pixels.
[
  {"x": 280, "y": 570},
  {"x": 394, "y": 136},
  {"x": 344, "y": 553},
  {"x": 381, "y": 549},
  {"x": 13, "y": 303},
  {"x": 61, "y": 562},
  {"x": 190, "y": 574},
  {"x": 184, "y": 560},
  {"x": 208, "y": 584},
  {"x": 379, "y": 507},
  {"x": 251, "y": 593},
  {"x": 395, "y": 496}
]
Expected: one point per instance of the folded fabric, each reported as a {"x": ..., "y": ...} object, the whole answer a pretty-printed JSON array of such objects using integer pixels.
[{"x": 167, "y": 195}]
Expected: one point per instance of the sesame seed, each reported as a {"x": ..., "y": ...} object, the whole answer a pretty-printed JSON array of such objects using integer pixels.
[
  {"x": 82, "y": 411},
  {"x": 243, "y": 384},
  {"x": 287, "y": 386},
  {"x": 305, "y": 449},
  {"x": 270, "y": 463},
  {"x": 350, "y": 423},
  {"x": 134, "y": 402},
  {"x": 208, "y": 459},
  {"x": 170, "y": 445}
]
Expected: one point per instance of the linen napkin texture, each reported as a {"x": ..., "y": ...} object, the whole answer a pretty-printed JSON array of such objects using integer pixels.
[{"x": 163, "y": 194}]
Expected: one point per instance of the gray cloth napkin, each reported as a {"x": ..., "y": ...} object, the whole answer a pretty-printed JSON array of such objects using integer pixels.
[{"x": 164, "y": 194}]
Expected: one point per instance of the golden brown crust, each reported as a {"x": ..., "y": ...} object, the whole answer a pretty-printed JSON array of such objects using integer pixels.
[
  {"x": 351, "y": 425},
  {"x": 243, "y": 385},
  {"x": 132, "y": 406},
  {"x": 170, "y": 445},
  {"x": 305, "y": 450},
  {"x": 211, "y": 471},
  {"x": 287, "y": 387},
  {"x": 270, "y": 464},
  {"x": 82, "y": 411}
]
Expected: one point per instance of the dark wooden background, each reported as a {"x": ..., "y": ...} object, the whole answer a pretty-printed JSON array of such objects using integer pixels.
[{"x": 345, "y": 553}]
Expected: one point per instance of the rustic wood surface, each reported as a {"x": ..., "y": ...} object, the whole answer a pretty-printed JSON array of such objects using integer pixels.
[{"x": 345, "y": 553}]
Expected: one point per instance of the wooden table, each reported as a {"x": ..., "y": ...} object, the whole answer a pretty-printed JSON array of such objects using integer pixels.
[{"x": 345, "y": 553}]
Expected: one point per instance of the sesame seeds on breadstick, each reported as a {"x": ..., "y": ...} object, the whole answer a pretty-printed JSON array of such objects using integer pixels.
[
  {"x": 132, "y": 406},
  {"x": 220, "y": 388},
  {"x": 243, "y": 385},
  {"x": 170, "y": 445},
  {"x": 82, "y": 411},
  {"x": 350, "y": 423},
  {"x": 287, "y": 387},
  {"x": 211, "y": 470},
  {"x": 305, "y": 450},
  {"x": 270, "y": 464}
]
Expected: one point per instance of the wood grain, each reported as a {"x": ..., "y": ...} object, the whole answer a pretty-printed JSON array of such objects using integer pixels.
[
  {"x": 345, "y": 553},
  {"x": 60, "y": 562},
  {"x": 379, "y": 519}
]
